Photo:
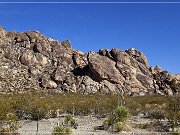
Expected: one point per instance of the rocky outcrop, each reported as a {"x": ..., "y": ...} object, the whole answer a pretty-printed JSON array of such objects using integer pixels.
[
  {"x": 31, "y": 61},
  {"x": 103, "y": 68}
]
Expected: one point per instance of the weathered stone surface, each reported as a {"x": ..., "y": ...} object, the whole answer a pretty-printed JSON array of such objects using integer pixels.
[
  {"x": 177, "y": 76},
  {"x": 48, "y": 83},
  {"x": 103, "y": 68},
  {"x": 42, "y": 60},
  {"x": 139, "y": 56},
  {"x": 28, "y": 58},
  {"x": 31, "y": 61},
  {"x": 121, "y": 56}
]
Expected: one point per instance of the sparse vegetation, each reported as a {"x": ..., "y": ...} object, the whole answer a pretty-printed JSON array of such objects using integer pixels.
[
  {"x": 62, "y": 130},
  {"x": 65, "y": 129},
  {"x": 8, "y": 119},
  {"x": 118, "y": 127},
  {"x": 70, "y": 121},
  {"x": 117, "y": 119},
  {"x": 173, "y": 112},
  {"x": 42, "y": 105},
  {"x": 156, "y": 113}
]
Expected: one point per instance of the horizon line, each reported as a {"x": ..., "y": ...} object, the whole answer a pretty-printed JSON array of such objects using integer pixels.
[{"x": 78, "y": 2}]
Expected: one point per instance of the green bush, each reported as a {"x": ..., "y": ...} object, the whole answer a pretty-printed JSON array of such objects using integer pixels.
[
  {"x": 107, "y": 123},
  {"x": 69, "y": 118},
  {"x": 120, "y": 114},
  {"x": 118, "y": 127},
  {"x": 62, "y": 130},
  {"x": 117, "y": 119}
]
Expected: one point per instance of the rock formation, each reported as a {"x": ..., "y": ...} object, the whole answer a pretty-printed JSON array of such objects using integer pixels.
[{"x": 30, "y": 61}]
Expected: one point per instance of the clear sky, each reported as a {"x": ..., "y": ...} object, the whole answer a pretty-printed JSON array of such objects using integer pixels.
[{"x": 153, "y": 29}]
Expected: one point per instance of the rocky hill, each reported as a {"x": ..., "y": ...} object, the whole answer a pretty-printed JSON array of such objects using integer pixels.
[{"x": 31, "y": 61}]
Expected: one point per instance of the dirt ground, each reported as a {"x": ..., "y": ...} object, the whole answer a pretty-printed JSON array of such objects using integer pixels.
[{"x": 85, "y": 127}]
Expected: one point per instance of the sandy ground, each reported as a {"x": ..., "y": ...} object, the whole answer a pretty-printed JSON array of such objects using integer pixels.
[{"x": 85, "y": 127}]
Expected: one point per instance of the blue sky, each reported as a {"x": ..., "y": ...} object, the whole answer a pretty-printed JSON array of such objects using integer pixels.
[{"x": 154, "y": 29}]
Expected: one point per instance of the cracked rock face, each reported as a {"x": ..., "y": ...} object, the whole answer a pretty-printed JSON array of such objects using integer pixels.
[{"x": 31, "y": 61}]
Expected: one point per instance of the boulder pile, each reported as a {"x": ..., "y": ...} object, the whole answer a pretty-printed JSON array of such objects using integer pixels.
[{"x": 30, "y": 61}]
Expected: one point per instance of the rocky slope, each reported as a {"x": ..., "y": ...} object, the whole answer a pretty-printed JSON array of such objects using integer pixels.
[{"x": 31, "y": 61}]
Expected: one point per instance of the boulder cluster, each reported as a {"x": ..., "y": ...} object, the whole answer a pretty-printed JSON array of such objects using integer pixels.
[{"x": 30, "y": 61}]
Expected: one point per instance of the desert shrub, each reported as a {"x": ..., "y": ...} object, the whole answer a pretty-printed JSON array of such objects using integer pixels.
[
  {"x": 34, "y": 106},
  {"x": 134, "y": 107},
  {"x": 120, "y": 114},
  {"x": 143, "y": 104},
  {"x": 173, "y": 112},
  {"x": 37, "y": 105},
  {"x": 37, "y": 109},
  {"x": 69, "y": 118},
  {"x": 118, "y": 127},
  {"x": 144, "y": 100},
  {"x": 156, "y": 113},
  {"x": 62, "y": 130},
  {"x": 8, "y": 119},
  {"x": 107, "y": 123},
  {"x": 9, "y": 123},
  {"x": 27, "y": 105},
  {"x": 5, "y": 108}
]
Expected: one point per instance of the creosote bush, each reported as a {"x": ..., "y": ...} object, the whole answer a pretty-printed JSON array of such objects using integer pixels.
[
  {"x": 8, "y": 119},
  {"x": 173, "y": 112},
  {"x": 62, "y": 130},
  {"x": 156, "y": 113}
]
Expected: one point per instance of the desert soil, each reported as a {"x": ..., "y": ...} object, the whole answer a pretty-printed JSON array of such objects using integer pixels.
[{"x": 85, "y": 127}]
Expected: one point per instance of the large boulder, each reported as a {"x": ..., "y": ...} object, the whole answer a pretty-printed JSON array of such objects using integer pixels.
[
  {"x": 102, "y": 68},
  {"x": 28, "y": 58},
  {"x": 139, "y": 56},
  {"x": 121, "y": 56},
  {"x": 48, "y": 83}
]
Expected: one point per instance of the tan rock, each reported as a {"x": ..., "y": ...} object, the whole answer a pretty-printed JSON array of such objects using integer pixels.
[
  {"x": 102, "y": 68},
  {"x": 28, "y": 58},
  {"x": 31, "y": 61},
  {"x": 42, "y": 60}
]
